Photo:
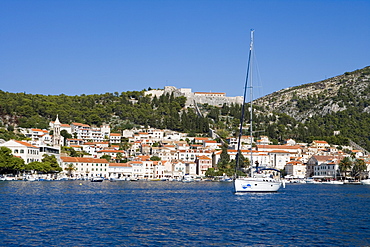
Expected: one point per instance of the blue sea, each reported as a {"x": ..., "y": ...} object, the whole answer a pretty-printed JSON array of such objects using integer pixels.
[{"x": 81, "y": 213}]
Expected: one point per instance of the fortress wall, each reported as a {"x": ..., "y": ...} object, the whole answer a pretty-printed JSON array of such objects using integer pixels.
[{"x": 216, "y": 99}]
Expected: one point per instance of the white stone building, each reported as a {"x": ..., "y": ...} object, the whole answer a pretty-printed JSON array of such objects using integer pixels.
[
  {"x": 328, "y": 169},
  {"x": 295, "y": 169},
  {"x": 85, "y": 167},
  {"x": 278, "y": 159},
  {"x": 115, "y": 138},
  {"x": 28, "y": 152},
  {"x": 120, "y": 170}
]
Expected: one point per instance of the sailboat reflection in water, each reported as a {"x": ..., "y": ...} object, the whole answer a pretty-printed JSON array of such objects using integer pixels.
[{"x": 259, "y": 180}]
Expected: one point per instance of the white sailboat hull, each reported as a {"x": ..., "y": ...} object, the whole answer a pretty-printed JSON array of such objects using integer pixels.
[
  {"x": 256, "y": 185},
  {"x": 365, "y": 182}
]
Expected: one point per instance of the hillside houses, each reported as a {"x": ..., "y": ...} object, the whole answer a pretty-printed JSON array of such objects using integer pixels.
[{"x": 131, "y": 151}]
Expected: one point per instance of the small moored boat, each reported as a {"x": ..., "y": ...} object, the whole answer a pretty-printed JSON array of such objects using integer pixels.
[
  {"x": 365, "y": 182},
  {"x": 333, "y": 182},
  {"x": 97, "y": 179}
]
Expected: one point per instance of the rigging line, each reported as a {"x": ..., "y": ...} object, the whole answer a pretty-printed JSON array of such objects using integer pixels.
[{"x": 258, "y": 76}]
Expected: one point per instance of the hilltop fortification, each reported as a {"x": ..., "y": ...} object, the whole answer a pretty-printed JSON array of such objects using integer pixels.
[{"x": 211, "y": 98}]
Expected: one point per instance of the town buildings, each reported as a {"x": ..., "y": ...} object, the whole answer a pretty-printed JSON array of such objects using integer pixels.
[{"x": 150, "y": 153}]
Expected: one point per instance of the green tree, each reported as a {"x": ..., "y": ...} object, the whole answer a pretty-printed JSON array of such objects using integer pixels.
[
  {"x": 106, "y": 157},
  {"x": 119, "y": 157},
  {"x": 9, "y": 163},
  {"x": 243, "y": 162},
  {"x": 51, "y": 161},
  {"x": 345, "y": 166},
  {"x": 210, "y": 172},
  {"x": 155, "y": 158},
  {"x": 224, "y": 161},
  {"x": 39, "y": 167},
  {"x": 70, "y": 168},
  {"x": 359, "y": 168},
  {"x": 66, "y": 136}
]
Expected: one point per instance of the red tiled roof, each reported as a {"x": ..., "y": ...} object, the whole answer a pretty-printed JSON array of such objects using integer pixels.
[
  {"x": 135, "y": 162},
  {"x": 80, "y": 124},
  {"x": 278, "y": 151},
  {"x": 278, "y": 147},
  {"x": 203, "y": 157},
  {"x": 324, "y": 142},
  {"x": 295, "y": 162},
  {"x": 120, "y": 164},
  {"x": 83, "y": 160},
  {"x": 201, "y": 138},
  {"x": 26, "y": 144},
  {"x": 36, "y": 129},
  {"x": 110, "y": 151},
  {"x": 115, "y": 134}
]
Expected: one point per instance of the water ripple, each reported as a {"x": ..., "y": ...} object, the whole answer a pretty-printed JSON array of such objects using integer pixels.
[{"x": 75, "y": 213}]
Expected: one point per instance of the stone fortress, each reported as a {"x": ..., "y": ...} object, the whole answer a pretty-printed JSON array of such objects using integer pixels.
[{"x": 193, "y": 98}]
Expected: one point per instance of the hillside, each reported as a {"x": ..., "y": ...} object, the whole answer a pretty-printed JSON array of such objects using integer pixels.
[
  {"x": 341, "y": 103},
  {"x": 333, "y": 95}
]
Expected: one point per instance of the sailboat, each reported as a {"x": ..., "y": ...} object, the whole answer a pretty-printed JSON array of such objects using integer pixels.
[{"x": 258, "y": 181}]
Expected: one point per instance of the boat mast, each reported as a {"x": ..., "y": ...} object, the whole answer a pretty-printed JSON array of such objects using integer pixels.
[
  {"x": 251, "y": 101},
  {"x": 243, "y": 105}
]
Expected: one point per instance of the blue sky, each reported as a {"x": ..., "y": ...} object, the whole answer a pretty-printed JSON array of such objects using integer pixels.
[{"x": 79, "y": 47}]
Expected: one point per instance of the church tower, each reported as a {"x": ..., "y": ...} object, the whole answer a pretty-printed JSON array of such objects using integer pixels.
[{"x": 56, "y": 135}]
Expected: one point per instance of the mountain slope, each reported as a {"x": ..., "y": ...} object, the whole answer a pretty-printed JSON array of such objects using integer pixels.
[
  {"x": 336, "y": 94},
  {"x": 339, "y": 105}
]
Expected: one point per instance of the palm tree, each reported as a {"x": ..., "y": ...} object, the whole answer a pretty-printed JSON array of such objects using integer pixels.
[
  {"x": 345, "y": 165},
  {"x": 119, "y": 157},
  {"x": 70, "y": 168},
  {"x": 359, "y": 168}
]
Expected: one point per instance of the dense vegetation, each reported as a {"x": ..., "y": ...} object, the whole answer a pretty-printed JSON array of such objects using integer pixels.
[
  {"x": 121, "y": 110},
  {"x": 277, "y": 126}
]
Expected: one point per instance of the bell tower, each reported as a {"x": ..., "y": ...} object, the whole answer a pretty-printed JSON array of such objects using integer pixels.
[{"x": 56, "y": 134}]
